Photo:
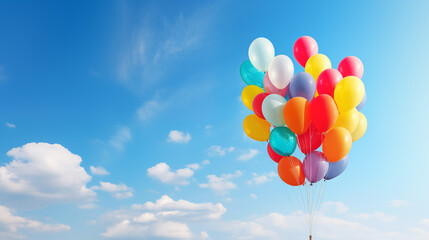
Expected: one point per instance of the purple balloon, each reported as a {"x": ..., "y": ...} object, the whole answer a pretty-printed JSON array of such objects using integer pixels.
[
  {"x": 303, "y": 85},
  {"x": 362, "y": 103},
  {"x": 336, "y": 168},
  {"x": 315, "y": 166},
  {"x": 288, "y": 94}
]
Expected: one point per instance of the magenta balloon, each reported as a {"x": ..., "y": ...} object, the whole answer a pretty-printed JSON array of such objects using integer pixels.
[
  {"x": 315, "y": 166},
  {"x": 351, "y": 66},
  {"x": 327, "y": 81},
  {"x": 270, "y": 88}
]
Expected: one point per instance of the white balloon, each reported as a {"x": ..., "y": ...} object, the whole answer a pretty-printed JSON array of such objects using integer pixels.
[
  {"x": 281, "y": 71},
  {"x": 272, "y": 109},
  {"x": 261, "y": 52}
]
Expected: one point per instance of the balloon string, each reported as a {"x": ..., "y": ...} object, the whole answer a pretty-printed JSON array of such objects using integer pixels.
[
  {"x": 294, "y": 205},
  {"x": 296, "y": 179},
  {"x": 321, "y": 199}
]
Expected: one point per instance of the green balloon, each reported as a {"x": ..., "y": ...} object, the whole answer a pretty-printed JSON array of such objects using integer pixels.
[
  {"x": 283, "y": 141},
  {"x": 251, "y": 75}
]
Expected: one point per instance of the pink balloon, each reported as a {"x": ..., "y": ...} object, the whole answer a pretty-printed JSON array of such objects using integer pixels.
[
  {"x": 304, "y": 48},
  {"x": 351, "y": 66},
  {"x": 270, "y": 88},
  {"x": 327, "y": 81}
]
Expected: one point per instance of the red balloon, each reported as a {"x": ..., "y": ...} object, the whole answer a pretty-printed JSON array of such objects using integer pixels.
[
  {"x": 327, "y": 81},
  {"x": 257, "y": 104},
  {"x": 273, "y": 155},
  {"x": 323, "y": 112},
  {"x": 304, "y": 48},
  {"x": 351, "y": 66},
  {"x": 310, "y": 140}
]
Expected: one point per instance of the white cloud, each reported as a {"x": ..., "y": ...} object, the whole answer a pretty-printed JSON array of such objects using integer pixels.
[
  {"x": 145, "y": 218},
  {"x": 379, "y": 216},
  {"x": 398, "y": 203},
  {"x": 425, "y": 222},
  {"x": 261, "y": 179},
  {"x": 10, "y": 125},
  {"x": 42, "y": 173},
  {"x": 162, "y": 172},
  {"x": 275, "y": 226},
  {"x": 122, "y": 137},
  {"x": 218, "y": 151},
  {"x": 123, "y": 195},
  {"x": 206, "y": 162},
  {"x": 165, "y": 218},
  {"x": 248, "y": 155},
  {"x": 166, "y": 206},
  {"x": 120, "y": 191},
  {"x": 87, "y": 206},
  {"x": 338, "y": 207},
  {"x": 221, "y": 185},
  {"x": 98, "y": 171},
  {"x": 194, "y": 166},
  {"x": 11, "y": 224},
  {"x": 254, "y": 196},
  {"x": 178, "y": 137},
  {"x": 139, "y": 220}
]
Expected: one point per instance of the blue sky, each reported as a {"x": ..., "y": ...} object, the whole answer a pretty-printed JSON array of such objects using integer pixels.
[{"x": 147, "y": 93}]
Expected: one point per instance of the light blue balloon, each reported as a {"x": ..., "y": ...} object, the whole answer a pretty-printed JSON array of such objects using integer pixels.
[
  {"x": 251, "y": 75},
  {"x": 283, "y": 141},
  {"x": 362, "y": 103},
  {"x": 336, "y": 168},
  {"x": 272, "y": 109}
]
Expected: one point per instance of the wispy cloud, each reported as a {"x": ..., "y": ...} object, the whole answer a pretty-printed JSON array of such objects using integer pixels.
[
  {"x": 10, "y": 125},
  {"x": 218, "y": 151},
  {"x": 121, "y": 137},
  {"x": 150, "y": 109},
  {"x": 160, "y": 40},
  {"x": 181, "y": 97},
  {"x": 11, "y": 224},
  {"x": 251, "y": 153},
  {"x": 398, "y": 203}
]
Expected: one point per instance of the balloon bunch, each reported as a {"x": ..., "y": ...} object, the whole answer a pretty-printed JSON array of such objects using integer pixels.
[{"x": 318, "y": 107}]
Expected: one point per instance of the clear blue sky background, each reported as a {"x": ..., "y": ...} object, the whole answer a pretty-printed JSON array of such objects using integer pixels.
[{"x": 84, "y": 74}]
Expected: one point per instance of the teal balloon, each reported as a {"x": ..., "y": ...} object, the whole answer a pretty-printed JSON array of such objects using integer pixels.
[
  {"x": 251, "y": 75},
  {"x": 283, "y": 141}
]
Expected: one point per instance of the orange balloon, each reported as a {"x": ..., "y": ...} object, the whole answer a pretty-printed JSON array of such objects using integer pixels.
[
  {"x": 337, "y": 144},
  {"x": 291, "y": 171},
  {"x": 297, "y": 115}
]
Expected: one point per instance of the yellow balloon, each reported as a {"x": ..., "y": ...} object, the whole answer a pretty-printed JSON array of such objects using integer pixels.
[
  {"x": 348, "y": 120},
  {"x": 256, "y": 128},
  {"x": 249, "y": 93},
  {"x": 361, "y": 128},
  {"x": 349, "y": 93},
  {"x": 317, "y": 64}
]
